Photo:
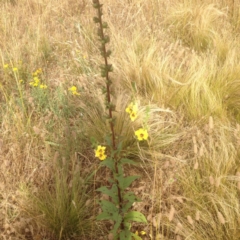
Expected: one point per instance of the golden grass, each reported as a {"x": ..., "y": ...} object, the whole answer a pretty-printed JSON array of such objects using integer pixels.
[{"x": 178, "y": 59}]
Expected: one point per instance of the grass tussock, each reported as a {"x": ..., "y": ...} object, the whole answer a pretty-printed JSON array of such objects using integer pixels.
[{"x": 177, "y": 60}]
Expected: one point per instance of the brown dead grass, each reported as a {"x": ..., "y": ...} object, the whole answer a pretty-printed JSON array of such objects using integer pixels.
[{"x": 182, "y": 58}]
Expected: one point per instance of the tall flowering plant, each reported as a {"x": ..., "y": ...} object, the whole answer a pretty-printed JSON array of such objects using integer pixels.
[{"x": 118, "y": 208}]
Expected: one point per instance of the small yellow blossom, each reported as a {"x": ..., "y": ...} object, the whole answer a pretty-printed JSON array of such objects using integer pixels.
[
  {"x": 21, "y": 81},
  {"x": 5, "y": 66},
  {"x": 43, "y": 86},
  {"x": 35, "y": 82},
  {"x": 133, "y": 115},
  {"x": 141, "y": 134},
  {"x": 140, "y": 233},
  {"x": 73, "y": 90},
  {"x": 15, "y": 69},
  {"x": 132, "y": 107},
  {"x": 37, "y": 72},
  {"x": 100, "y": 152}
]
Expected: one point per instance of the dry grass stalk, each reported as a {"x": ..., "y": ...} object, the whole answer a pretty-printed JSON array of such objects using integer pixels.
[
  {"x": 171, "y": 214},
  {"x": 197, "y": 217},
  {"x": 217, "y": 182},
  {"x": 178, "y": 237},
  {"x": 190, "y": 220},
  {"x": 178, "y": 228},
  {"x": 211, "y": 180},
  {"x": 196, "y": 165},
  {"x": 221, "y": 218},
  {"x": 201, "y": 151},
  {"x": 238, "y": 185},
  {"x": 211, "y": 125}
]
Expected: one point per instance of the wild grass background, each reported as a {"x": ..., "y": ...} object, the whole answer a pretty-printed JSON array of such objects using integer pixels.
[{"x": 179, "y": 59}]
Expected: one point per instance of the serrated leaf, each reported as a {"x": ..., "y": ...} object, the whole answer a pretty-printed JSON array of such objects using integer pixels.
[
  {"x": 108, "y": 163},
  {"x": 135, "y": 217},
  {"x": 103, "y": 216},
  {"x": 116, "y": 226},
  {"x": 110, "y": 192},
  {"x": 130, "y": 198},
  {"x": 110, "y": 209},
  {"x": 125, "y": 182},
  {"x": 125, "y": 234}
]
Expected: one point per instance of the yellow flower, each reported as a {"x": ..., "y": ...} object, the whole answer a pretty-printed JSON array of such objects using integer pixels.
[
  {"x": 21, "y": 81},
  {"x": 102, "y": 157},
  {"x": 141, "y": 134},
  {"x": 132, "y": 108},
  {"x": 73, "y": 90},
  {"x": 15, "y": 69},
  {"x": 141, "y": 233},
  {"x": 39, "y": 71},
  {"x": 43, "y": 86},
  {"x": 5, "y": 66},
  {"x": 133, "y": 115},
  {"x": 100, "y": 152},
  {"x": 35, "y": 82}
]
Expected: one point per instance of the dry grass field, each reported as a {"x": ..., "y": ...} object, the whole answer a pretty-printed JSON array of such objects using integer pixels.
[{"x": 178, "y": 59}]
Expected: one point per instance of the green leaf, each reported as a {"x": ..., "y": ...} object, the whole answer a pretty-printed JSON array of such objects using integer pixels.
[
  {"x": 108, "y": 140},
  {"x": 104, "y": 216},
  {"x": 116, "y": 226},
  {"x": 130, "y": 197},
  {"x": 135, "y": 216},
  {"x": 119, "y": 147},
  {"x": 110, "y": 192},
  {"x": 125, "y": 182},
  {"x": 125, "y": 234},
  {"x": 110, "y": 209},
  {"x": 120, "y": 170},
  {"x": 136, "y": 237},
  {"x": 127, "y": 161},
  {"x": 96, "y": 20},
  {"x": 52, "y": 143},
  {"x": 108, "y": 163},
  {"x": 134, "y": 86}
]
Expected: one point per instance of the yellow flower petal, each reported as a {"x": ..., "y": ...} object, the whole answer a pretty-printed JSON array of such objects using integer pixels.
[
  {"x": 132, "y": 107},
  {"x": 43, "y": 86},
  {"x": 133, "y": 115},
  {"x": 100, "y": 152},
  {"x": 141, "y": 134},
  {"x": 74, "y": 91}
]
